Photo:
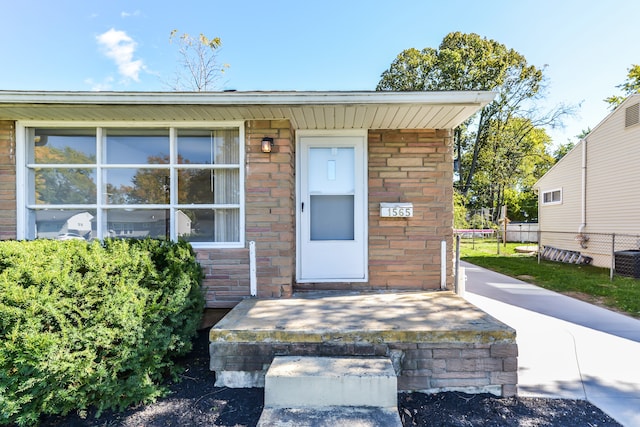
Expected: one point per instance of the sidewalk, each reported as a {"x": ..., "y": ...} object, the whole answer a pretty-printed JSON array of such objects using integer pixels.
[{"x": 567, "y": 348}]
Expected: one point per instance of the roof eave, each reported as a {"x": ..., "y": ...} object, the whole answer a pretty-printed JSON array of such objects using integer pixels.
[{"x": 479, "y": 98}]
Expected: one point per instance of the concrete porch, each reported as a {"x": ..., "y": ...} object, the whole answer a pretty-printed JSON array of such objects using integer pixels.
[{"x": 436, "y": 341}]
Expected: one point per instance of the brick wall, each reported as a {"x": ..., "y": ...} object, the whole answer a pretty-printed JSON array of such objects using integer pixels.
[
  {"x": 269, "y": 197},
  {"x": 270, "y": 201},
  {"x": 410, "y": 166},
  {"x": 7, "y": 180},
  {"x": 226, "y": 276}
]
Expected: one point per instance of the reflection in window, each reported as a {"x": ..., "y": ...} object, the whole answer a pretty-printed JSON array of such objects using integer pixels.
[
  {"x": 208, "y": 225},
  {"x": 137, "y": 146},
  {"x": 137, "y": 223},
  {"x": 58, "y": 186},
  {"x": 65, "y": 224},
  {"x": 137, "y": 186},
  {"x": 206, "y": 186},
  {"x": 202, "y": 146},
  {"x": 64, "y": 146}
]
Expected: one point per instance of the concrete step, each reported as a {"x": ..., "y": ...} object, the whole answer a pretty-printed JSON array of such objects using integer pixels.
[
  {"x": 333, "y": 416},
  {"x": 330, "y": 391},
  {"x": 301, "y": 381}
]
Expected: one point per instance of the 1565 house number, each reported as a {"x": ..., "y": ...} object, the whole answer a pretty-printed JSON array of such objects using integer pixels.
[{"x": 396, "y": 210}]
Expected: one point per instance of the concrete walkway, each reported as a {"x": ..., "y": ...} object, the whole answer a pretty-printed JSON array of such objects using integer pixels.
[{"x": 567, "y": 348}]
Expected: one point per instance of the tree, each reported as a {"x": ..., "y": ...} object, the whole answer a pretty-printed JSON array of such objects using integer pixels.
[
  {"x": 459, "y": 212},
  {"x": 470, "y": 62},
  {"x": 200, "y": 69},
  {"x": 462, "y": 62},
  {"x": 630, "y": 86},
  {"x": 515, "y": 158},
  {"x": 563, "y": 149}
]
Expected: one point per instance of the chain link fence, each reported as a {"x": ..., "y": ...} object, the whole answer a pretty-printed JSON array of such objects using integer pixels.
[{"x": 620, "y": 253}]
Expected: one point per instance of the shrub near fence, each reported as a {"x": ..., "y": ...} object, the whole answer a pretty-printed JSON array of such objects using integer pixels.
[{"x": 92, "y": 324}]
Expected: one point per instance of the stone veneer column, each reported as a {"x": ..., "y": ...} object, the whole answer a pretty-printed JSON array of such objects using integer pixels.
[
  {"x": 410, "y": 166},
  {"x": 270, "y": 205}
]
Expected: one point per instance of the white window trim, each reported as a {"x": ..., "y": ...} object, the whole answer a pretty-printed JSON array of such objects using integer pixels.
[
  {"x": 555, "y": 202},
  {"x": 21, "y": 170}
]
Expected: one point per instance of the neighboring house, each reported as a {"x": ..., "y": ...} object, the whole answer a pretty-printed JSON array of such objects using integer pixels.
[
  {"x": 592, "y": 192},
  {"x": 301, "y": 177}
]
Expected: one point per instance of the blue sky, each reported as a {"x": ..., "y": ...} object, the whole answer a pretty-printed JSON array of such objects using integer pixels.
[{"x": 119, "y": 45}]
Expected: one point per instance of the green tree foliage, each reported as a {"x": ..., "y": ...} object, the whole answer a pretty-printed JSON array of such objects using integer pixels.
[
  {"x": 516, "y": 156},
  {"x": 630, "y": 86},
  {"x": 491, "y": 144},
  {"x": 459, "y": 212},
  {"x": 92, "y": 324}
]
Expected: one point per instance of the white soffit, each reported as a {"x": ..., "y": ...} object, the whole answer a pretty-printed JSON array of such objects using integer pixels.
[{"x": 305, "y": 110}]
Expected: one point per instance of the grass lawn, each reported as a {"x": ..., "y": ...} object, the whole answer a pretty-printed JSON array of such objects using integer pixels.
[{"x": 585, "y": 282}]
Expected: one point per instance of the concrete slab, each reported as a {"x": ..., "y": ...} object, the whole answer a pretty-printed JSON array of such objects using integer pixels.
[
  {"x": 304, "y": 381},
  {"x": 374, "y": 317},
  {"x": 567, "y": 348},
  {"x": 330, "y": 417}
]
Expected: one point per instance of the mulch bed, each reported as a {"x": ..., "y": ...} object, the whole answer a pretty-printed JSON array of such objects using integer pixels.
[{"x": 194, "y": 401}]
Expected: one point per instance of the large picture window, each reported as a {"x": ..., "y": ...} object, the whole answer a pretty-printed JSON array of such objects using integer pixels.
[{"x": 98, "y": 182}]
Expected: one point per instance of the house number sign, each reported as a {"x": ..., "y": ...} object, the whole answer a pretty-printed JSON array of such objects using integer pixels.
[{"x": 396, "y": 210}]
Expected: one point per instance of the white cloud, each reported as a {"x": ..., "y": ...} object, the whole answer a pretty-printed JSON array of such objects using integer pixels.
[
  {"x": 118, "y": 46},
  {"x": 129, "y": 14},
  {"x": 105, "y": 85}
]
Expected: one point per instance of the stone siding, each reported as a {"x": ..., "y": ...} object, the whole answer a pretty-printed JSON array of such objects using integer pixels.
[
  {"x": 426, "y": 367},
  {"x": 413, "y": 166}
]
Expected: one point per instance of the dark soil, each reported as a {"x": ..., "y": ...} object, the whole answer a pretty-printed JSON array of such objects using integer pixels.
[{"x": 194, "y": 401}]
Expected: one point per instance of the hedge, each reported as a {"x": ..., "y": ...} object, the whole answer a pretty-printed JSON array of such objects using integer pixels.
[{"x": 92, "y": 324}]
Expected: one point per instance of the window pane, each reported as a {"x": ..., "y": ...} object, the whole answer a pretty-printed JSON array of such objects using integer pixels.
[
  {"x": 208, "y": 186},
  {"x": 331, "y": 170},
  {"x": 65, "y": 186},
  {"x": 137, "y": 146},
  {"x": 332, "y": 218},
  {"x": 208, "y": 225},
  {"x": 137, "y": 186},
  {"x": 204, "y": 146},
  {"x": 65, "y": 224},
  {"x": 56, "y": 146},
  {"x": 137, "y": 223}
]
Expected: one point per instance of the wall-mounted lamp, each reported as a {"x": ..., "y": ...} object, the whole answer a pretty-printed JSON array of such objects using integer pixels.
[{"x": 267, "y": 145}]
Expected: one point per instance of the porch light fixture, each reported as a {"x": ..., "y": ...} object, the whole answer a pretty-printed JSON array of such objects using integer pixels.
[{"x": 267, "y": 145}]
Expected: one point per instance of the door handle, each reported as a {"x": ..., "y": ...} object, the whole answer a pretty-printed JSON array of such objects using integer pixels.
[{"x": 302, "y": 207}]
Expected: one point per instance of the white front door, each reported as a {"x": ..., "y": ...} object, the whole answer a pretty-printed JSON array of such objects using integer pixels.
[{"x": 332, "y": 216}]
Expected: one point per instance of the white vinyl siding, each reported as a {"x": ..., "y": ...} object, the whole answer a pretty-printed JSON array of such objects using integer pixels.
[
  {"x": 565, "y": 175},
  {"x": 613, "y": 199}
]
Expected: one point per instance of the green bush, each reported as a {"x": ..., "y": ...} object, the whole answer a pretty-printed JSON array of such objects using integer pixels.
[{"x": 94, "y": 324}]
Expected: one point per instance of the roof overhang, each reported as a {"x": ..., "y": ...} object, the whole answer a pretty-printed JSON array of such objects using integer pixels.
[{"x": 305, "y": 110}]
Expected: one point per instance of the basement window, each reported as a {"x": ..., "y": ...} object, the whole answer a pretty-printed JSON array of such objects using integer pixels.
[{"x": 552, "y": 197}]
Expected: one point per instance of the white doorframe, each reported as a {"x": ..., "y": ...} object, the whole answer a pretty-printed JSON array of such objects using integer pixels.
[{"x": 357, "y": 139}]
